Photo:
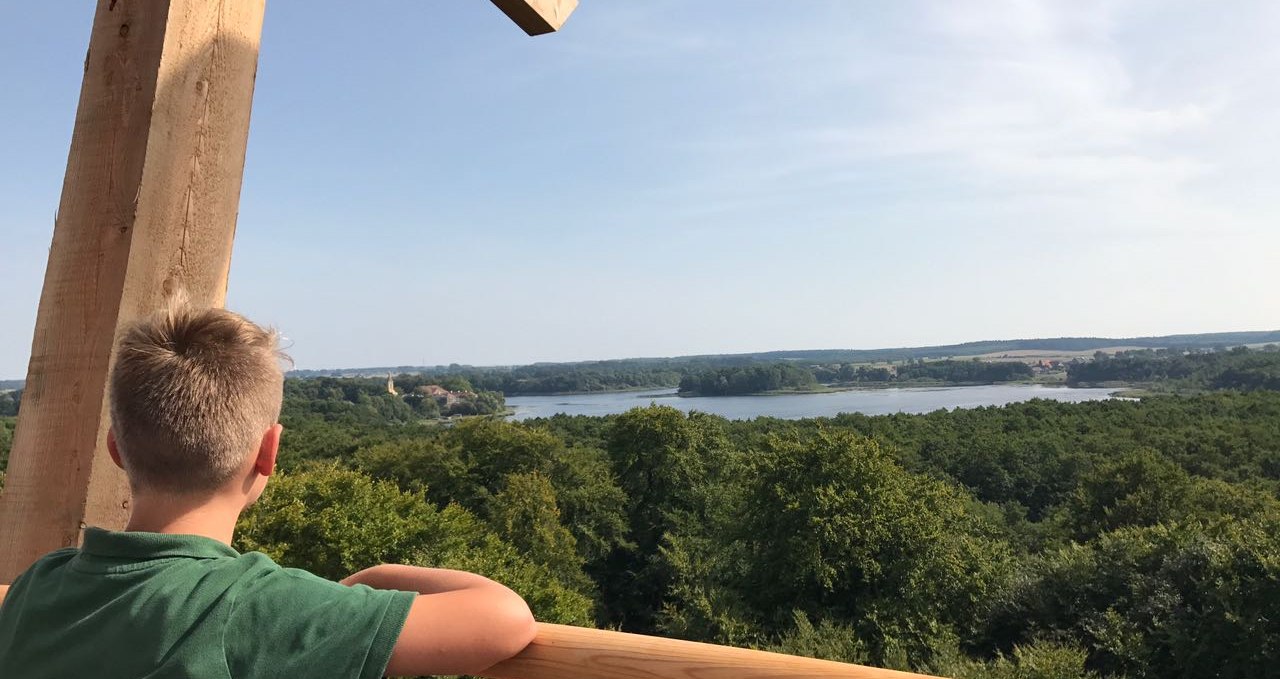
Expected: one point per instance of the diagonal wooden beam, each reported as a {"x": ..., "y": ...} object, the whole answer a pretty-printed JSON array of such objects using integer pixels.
[
  {"x": 537, "y": 17},
  {"x": 148, "y": 205}
]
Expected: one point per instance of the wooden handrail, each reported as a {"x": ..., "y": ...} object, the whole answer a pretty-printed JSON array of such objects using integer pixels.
[{"x": 560, "y": 651}]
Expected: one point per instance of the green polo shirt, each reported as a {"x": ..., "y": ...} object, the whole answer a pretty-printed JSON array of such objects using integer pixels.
[{"x": 134, "y": 605}]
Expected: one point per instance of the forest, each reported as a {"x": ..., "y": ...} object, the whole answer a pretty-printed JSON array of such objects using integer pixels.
[
  {"x": 963, "y": 372},
  {"x": 548, "y": 378},
  {"x": 754, "y": 379},
  {"x": 1040, "y": 540},
  {"x": 1043, "y": 539},
  {"x": 1239, "y": 368}
]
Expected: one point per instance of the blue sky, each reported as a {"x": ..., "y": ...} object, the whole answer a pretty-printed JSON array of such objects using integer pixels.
[{"x": 425, "y": 184}]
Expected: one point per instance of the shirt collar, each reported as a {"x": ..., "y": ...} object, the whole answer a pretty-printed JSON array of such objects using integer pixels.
[{"x": 140, "y": 545}]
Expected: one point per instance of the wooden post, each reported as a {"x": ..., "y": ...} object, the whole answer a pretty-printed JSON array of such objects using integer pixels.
[
  {"x": 537, "y": 16},
  {"x": 148, "y": 206},
  {"x": 559, "y": 652}
]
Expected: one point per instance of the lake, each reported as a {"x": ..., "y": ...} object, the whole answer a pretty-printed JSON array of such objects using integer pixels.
[{"x": 795, "y": 406}]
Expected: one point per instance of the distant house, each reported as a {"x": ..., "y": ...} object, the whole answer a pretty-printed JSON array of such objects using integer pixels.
[
  {"x": 1045, "y": 365},
  {"x": 446, "y": 397}
]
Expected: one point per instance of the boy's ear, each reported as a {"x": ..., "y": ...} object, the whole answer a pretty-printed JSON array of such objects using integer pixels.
[
  {"x": 112, "y": 449},
  {"x": 267, "y": 450}
]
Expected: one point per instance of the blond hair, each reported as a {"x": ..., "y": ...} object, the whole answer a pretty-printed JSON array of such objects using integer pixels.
[{"x": 192, "y": 392}]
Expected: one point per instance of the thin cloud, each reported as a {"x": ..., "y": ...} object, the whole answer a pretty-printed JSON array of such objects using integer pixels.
[{"x": 1004, "y": 101}]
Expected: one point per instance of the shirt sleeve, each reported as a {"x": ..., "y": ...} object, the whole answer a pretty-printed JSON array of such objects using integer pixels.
[{"x": 290, "y": 624}]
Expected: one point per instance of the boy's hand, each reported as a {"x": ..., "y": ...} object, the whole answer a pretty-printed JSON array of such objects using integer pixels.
[{"x": 461, "y": 623}]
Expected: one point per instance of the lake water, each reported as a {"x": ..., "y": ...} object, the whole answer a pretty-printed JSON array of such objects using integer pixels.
[{"x": 794, "y": 406}]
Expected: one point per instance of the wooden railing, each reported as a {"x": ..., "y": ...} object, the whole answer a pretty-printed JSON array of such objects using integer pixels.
[{"x": 560, "y": 652}]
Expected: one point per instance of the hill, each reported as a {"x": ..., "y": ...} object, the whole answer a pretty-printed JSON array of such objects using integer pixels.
[{"x": 966, "y": 349}]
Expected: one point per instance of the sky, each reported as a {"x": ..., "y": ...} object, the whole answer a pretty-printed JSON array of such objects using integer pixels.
[{"x": 427, "y": 185}]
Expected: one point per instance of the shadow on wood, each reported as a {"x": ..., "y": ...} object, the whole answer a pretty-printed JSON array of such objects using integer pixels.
[{"x": 537, "y": 17}]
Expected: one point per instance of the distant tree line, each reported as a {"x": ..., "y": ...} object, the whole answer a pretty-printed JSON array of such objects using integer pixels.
[
  {"x": 1239, "y": 368},
  {"x": 964, "y": 372},
  {"x": 653, "y": 373},
  {"x": 556, "y": 378},
  {"x": 541, "y": 378},
  {"x": 851, "y": 373},
  {"x": 1065, "y": 344},
  {"x": 756, "y": 379},
  {"x": 748, "y": 380}
]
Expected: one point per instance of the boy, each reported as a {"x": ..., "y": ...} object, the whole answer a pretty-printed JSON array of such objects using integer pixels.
[{"x": 195, "y": 395}]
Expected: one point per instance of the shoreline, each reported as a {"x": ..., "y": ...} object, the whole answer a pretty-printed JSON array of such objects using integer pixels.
[
  {"x": 830, "y": 389},
  {"x": 835, "y": 389},
  {"x": 914, "y": 398},
  {"x": 632, "y": 390}
]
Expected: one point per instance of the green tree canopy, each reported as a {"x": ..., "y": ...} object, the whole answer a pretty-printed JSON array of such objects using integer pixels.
[
  {"x": 835, "y": 523},
  {"x": 334, "y": 522}
]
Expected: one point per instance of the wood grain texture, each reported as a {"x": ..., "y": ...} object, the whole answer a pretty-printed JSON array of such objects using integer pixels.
[
  {"x": 560, "y": 652},
  {"x": 537, "y": 17},
  {"x": 148, "y": 206}
]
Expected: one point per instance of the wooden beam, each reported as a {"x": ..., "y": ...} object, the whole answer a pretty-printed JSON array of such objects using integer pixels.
[
  {"x": 537, "y": 17},
  {"x": 148, "y": 206},
  {"x": 559, "y": 651}
]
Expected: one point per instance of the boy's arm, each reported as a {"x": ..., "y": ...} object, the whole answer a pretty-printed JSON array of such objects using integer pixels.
[
  {"x": 461, "y": 623},
  {"x": 4, "y": 589}
]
